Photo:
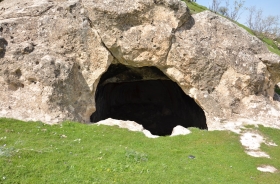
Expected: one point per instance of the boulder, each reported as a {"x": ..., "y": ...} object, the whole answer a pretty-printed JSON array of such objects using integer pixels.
[
  {"x": 53, "y": 54},
  {"x": 180, "y": 130},
  {"x": 130, "y": 125}
]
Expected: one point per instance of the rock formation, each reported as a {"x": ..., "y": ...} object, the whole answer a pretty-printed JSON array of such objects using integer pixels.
[{"x": 53, "y": 54}]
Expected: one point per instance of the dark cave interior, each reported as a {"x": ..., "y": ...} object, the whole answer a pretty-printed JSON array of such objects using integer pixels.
[{"x": 145, "y": 95}]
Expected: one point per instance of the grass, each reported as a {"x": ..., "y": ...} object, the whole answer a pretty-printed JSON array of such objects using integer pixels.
[
  {"x": 194, "y": 7},
  {"x": 277, "y": 90},
  {"x": 272, "y": 47},
  {"x": 77, "y": 153}
]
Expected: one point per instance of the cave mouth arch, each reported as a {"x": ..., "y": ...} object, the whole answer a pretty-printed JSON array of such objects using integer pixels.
[{"x": 147, "y": 96}]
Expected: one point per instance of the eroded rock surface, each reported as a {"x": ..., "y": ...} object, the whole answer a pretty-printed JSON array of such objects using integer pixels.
[{"x": 53, "y": 53}]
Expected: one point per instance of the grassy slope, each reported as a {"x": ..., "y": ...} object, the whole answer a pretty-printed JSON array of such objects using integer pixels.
[
  {"x": 195, "y": 8},
  {"x": 33, "y": 153}
]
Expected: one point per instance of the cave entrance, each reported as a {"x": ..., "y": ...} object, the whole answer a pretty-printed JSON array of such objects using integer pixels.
[{"x": 147, "y": 96}]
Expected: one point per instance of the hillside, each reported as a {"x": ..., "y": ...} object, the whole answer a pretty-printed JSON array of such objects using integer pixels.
[
  {"x": 196, "y": 8},
  {"x": 67, "y": 66},
  {"x": 75, "y": 54},
  {"x": 34, "y": 152}
]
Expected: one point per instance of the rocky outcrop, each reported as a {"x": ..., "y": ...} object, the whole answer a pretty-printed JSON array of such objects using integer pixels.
[
  {"x": 53, "y": 53},
  {"x": 52, "y": 62}
]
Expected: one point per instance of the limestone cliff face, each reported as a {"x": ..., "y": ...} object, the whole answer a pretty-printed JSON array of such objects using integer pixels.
[{"x": 53, "y": 53}]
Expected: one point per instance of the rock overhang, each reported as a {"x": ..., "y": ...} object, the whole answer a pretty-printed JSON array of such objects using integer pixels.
[{"x": 209, "y": 57}]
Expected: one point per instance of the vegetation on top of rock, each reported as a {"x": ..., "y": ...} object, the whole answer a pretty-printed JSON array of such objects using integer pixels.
[
  {"x": 273, "y": 44},
  {"x": 277, "y": 89},
  {"x": 194, "y": 7}
]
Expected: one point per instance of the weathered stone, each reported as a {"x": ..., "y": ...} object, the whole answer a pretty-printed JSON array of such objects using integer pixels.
[
  {"x": 130, "y": 125},
  {"x": 53, "y": 53},
  {"x": 137, "y": 32},
  {"x": 53, "y": 61},
  {"x": 180, "y": 130},
  {"x": 272, "y": 61}
]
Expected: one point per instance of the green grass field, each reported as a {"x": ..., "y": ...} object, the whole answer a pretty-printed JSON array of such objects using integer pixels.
[{"x": 33, "y": 152}]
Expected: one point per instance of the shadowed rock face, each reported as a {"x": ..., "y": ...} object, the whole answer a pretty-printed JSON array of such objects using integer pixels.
[{"x": 159, "y": 105}]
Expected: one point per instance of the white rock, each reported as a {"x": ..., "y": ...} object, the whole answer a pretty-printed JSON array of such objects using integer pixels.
[
  {"x": 180, "y": 130},
  {"x": 257, "y": 153},
  {"x": 149, "y": 135},
  {"x": 130, "y": 125},
  {"x": 267, "y": 168}
]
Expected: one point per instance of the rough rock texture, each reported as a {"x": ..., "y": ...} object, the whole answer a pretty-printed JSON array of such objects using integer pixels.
[
  {"x": 53, "y": 53},
  {"x": 52, "y": 61}
]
